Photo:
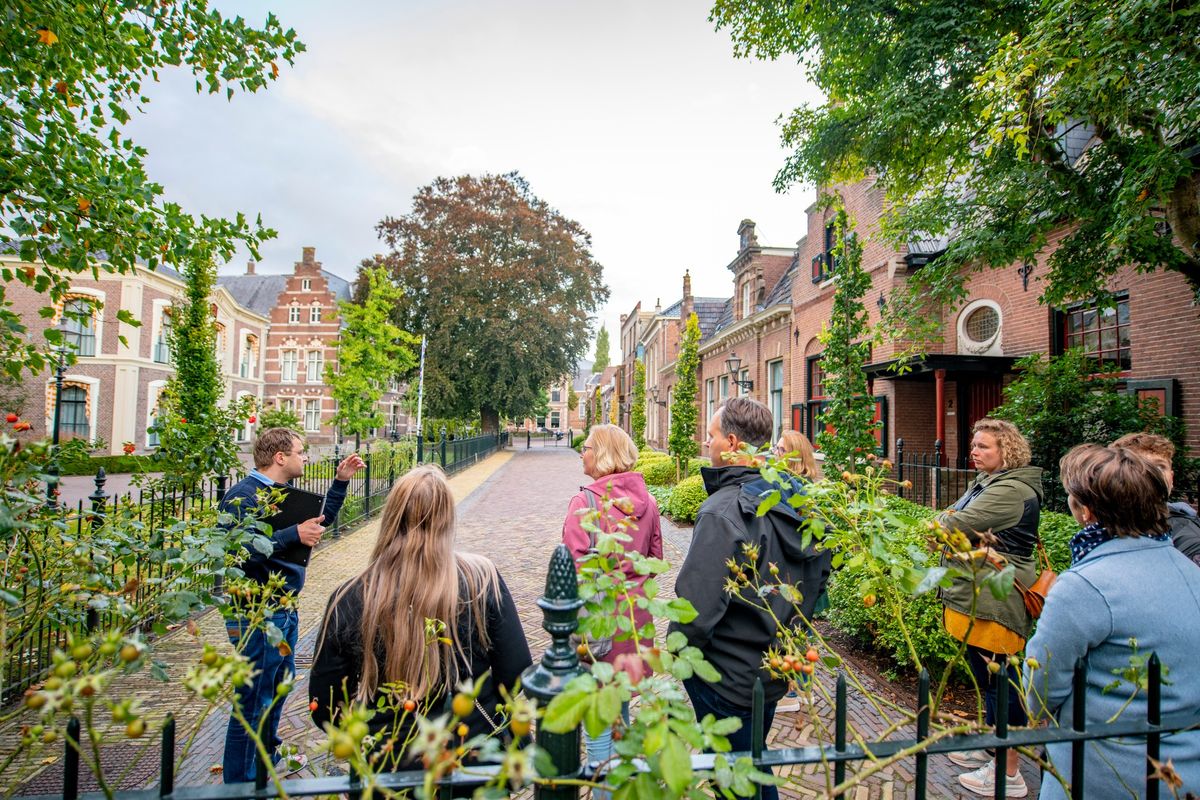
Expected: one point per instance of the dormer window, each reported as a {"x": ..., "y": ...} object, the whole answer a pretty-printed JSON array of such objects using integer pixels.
[
  {"x": 305, "y": 285},
  {"x": 747, "y": 298}
]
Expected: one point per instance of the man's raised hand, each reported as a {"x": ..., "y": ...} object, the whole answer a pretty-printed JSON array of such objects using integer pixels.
[{"x": 349, "y": 467}]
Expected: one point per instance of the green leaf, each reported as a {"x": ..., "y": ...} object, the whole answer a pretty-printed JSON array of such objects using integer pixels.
[
  {"x": 676, "y": 763},
  {"x": 565, "y": 711}
]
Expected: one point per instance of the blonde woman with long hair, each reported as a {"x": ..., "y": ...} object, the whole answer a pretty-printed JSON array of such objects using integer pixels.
[
  {"x": 436, "y": 616},
  {"x": 798, "y": 452}
]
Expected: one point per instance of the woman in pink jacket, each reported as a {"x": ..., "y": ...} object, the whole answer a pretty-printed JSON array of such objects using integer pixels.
[{"x": 609, "y": 456}]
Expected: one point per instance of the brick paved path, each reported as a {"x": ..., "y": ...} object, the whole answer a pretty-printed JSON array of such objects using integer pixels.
[{"x": 511, "y": 509}]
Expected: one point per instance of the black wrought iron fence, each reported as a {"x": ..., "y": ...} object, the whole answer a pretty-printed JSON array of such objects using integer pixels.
[
  {"x": 560, "y": 604},
  {"x": 457, "y": 454},
  {"x": 150, "y": 510},
  {"x": 934, "y": 483}
]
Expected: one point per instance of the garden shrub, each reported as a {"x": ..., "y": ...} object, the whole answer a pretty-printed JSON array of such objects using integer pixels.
[
  {"x": 694, "y": 465},
  {"x": 686, "y": 497},
  {"x": 578, "y": 441},
  {"x": 659, "y": 472},
  {"x": 923, "y": 613},
  {"x": 662, "y": 495}
]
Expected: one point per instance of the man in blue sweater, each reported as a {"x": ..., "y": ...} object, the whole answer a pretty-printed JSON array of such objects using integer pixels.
[{"x": 279, "y": 457}]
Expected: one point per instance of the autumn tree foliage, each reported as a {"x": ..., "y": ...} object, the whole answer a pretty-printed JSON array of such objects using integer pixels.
[
  {"x": 74, "y": 193},
  {"x": 501, "y": 284}
]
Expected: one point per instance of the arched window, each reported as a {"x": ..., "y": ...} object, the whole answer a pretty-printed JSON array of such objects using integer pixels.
[
  {"x": 78, "y": 325},
  {"x": 73, "y": 418}
]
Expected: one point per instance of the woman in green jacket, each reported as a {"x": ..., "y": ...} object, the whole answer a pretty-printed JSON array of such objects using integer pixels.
[{"x": 999, "y": 515}]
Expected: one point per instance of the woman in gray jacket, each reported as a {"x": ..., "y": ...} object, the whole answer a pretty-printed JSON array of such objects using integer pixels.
[{"x": 1127, "y": 594}]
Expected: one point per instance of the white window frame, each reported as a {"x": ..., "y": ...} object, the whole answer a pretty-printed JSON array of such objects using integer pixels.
[
  {"x": 294, "y": 314},
  {"x": 153, "y": 394},
  {"x": 312, "y": 406},
  {"x": 97, "y": 298},
  {"x": 775, "y": 396},
  {"x": 92, "y": 387},
  {"x": 314, "y": 314},
  {"x": 305, "y": 285},
  {"x": 286, "y": 375},
  {"x": 313, "y": 366},
  {"x": 710, "y": 400}
]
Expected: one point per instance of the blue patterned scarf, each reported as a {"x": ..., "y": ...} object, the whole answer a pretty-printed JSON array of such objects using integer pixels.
[{"x": 1094, "y": 535}]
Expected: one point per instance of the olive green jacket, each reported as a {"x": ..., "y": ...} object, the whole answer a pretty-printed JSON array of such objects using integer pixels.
[{"x": 1008, "y": 504}]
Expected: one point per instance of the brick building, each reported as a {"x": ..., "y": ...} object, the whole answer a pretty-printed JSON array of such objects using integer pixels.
[
  {"x": 110, "y": 393},
  {"x": 302, "y": 335},
  {"x": 782, "y": 298}
]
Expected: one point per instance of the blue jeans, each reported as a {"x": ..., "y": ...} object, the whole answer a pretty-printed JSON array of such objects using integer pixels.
[
  {"x": 705, "y": 700},
  {"x": 600, "y": 748},
  {"x": 258, "y": 696}
]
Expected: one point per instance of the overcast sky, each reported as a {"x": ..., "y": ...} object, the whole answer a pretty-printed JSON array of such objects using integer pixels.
[{"x": 632, "y": 118}]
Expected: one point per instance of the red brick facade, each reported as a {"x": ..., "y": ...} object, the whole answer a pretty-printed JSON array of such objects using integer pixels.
[{"x": 790, "y": 300}]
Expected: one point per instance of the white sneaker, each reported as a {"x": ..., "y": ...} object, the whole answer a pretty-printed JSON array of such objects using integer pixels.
[
  {"x": 983, "y": 782},
  {"x": 790, "y": 702},
  {"x": 971, "y": 759}
]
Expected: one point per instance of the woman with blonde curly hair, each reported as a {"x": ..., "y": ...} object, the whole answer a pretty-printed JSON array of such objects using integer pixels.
[{"x": 999, "y": 513}]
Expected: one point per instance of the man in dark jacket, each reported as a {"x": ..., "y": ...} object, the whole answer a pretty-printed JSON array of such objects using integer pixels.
[
  {"x": 279, "y": 457},
  {"x": 733, "y": 631}
]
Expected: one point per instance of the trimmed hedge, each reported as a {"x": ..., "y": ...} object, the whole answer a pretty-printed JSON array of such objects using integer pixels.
[
  {"x": 659, "y": 472},
  {"x": 923, "y": 613},
  {"x": 113, "y": 465},
  {"x": 686, "y": 497}
]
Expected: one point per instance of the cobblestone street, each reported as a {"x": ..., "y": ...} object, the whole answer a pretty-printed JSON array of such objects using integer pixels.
[{"x": 510, "y": 508}]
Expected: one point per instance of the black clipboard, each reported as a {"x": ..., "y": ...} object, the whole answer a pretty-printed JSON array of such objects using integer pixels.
[{"x": 295, "y": 507}]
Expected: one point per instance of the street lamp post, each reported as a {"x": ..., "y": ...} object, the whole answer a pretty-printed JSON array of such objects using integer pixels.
[
  {"x": 52, "y": 482},
  {"x": 734, "y": 365}
]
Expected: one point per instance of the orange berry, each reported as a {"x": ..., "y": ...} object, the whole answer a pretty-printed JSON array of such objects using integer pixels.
[
  {"x": 869, "y": 600},
  {"x": 807, "y": 669},
  {"x": 812, "y": 655},
  {"x": 313, "y": 705},
  {"x": 410, "y": 706}
]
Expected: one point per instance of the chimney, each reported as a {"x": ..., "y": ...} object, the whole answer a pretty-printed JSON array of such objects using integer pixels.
[
  {"x": 658, "y": 305},
  {"x": 309, "y": 255},
  {"x": 685, "y": 309},
  {"x": 250, "y": 267}
]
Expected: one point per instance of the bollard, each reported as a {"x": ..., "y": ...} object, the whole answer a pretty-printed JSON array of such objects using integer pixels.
[
  {"x": 937, "y": 473},
  {"x": 443, "y": 447},
  {"x": 526, "y": 438},
  {"x": 900, "y": 466},
  {"x": 546, "y": 679}
]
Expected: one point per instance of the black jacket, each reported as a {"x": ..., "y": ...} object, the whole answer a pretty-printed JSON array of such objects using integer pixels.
[
  {"x": 733, "y": 634},
  {"x": 1185, "y": 530},
  {"x": 243, "y": 497},
  {"x": 337, "y": 665}
]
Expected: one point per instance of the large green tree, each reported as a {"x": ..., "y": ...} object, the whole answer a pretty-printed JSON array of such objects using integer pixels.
[
  {"x": 682, "y": 442},
  {"x": 501, "y": 284},
  {"x": 602, "y": 345},
  {"x": 372, "y": 350},
  {"x": 974, "y": 117},
  {"x": 74, "y": 194}
]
